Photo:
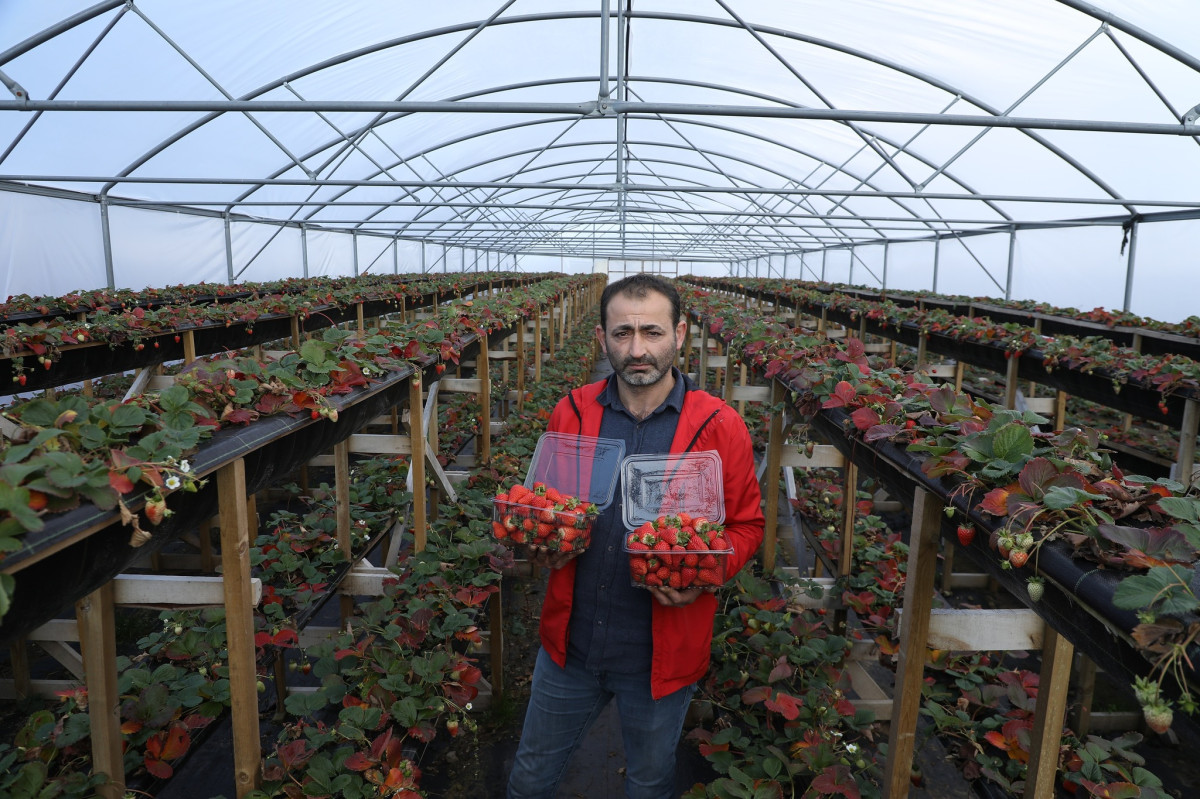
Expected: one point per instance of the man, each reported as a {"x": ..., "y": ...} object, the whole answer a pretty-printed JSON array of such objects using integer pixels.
[{"x": 601, "y": 636}]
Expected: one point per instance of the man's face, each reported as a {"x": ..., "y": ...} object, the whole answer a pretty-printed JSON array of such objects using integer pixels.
[{"x": 640, "y": 342}]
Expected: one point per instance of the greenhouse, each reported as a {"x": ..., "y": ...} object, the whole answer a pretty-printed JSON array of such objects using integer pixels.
[{"x": 305, "y": 315}]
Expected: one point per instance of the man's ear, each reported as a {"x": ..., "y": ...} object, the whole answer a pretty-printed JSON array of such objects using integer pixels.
[
  {"x": 680, "y": 332},
  {"x": 600, "y": 338}
]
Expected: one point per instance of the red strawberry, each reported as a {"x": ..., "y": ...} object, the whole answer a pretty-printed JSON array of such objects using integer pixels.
[
  {"x": 685, "y": 520},
  {"x": 653, "y": 579},
  {"x": 636, "y": 545},
  {"x": 1018, "y": 557},
  {"x": 697, "y": 543},
  {"x": 718, "y": 543},
  {"x": 156, "y": 510},
  {"x": 691, "y": 559},
  {"x": 966, "y": 534},
  {"x": 638, "y": 568},
  {"x": 661, "y": 546},
  {"x": 688, "y": 575},
  {"x": 675, "y": 581},
  {"x": 499, "y": 530},
  {"x": 709, "y": 577},
  {"x": 709, "y": 562}
]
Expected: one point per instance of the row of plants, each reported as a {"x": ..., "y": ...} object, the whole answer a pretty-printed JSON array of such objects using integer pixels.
[
  {"x": 1025, "y": 489},
  {"x": 1166, "y": 375},
  {"x": 116, "y": 454},
  {"x": 982, "y": 705},
  {"x": 36, "y": 346},
  {"x": 1107, "y": 317},
  {"x": 397, "y": 678}
]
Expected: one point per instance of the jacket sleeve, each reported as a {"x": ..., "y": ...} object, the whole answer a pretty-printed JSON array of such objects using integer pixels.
[{"x": 744, "y": 523}]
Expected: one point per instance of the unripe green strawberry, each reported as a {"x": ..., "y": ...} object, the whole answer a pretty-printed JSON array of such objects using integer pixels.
[
  {"x": 1036, "y": 588},
  {"x": 1158, "y": 716},
  {"x": 1023, "y": 541}
]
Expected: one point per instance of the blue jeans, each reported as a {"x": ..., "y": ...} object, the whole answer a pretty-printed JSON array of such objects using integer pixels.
[{"x": 563, "y": 705}]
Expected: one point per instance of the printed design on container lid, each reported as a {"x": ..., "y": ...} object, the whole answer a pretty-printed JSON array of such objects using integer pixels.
[{"x": 657, "y": 485}]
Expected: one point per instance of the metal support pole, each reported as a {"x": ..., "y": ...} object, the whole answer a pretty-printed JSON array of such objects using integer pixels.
[
  {"x": 354, "y": 249},
  {"x": 1130, "y": 263},
  {"x": 304, "y": 248},
  {"x": 228, "y": 251},
  {"x": 937, "y": 251},
  {"x": 1012, "y": 248},
  {"x": 396, "y": 256},
  {"x": 106, "y": 234},
  {"x": 824, "y": 255},
  {"x": 885, "y": 265}
]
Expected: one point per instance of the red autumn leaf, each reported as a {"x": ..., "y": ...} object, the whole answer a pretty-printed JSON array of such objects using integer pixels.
[
  {"x": 295, "y": 754},
  {"x": 843, "y": 394},
  {"x": 865, "y": 418},
  {"x": 357, "y": 761},
  {"x": 239, "y": 416},
  {"x": 880, "y": 431},
  {"x": 471, "y": 595},
  {"x": 270, "y": 403},
  {"x": 995, "y": 502},
  {"x": 120, "y": 483},
  {"x": 786, "y": 705},
  {"x": 302, "y": 399},
  {"x": 836, "y": 780},
  {"x": 781, "y": 671}
]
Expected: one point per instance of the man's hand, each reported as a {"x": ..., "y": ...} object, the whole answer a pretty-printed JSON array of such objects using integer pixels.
[
  {"x": 673, "y": 598},
  {"x": 549, "y": 558}
]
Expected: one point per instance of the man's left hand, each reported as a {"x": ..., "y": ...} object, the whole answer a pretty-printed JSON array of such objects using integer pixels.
[{"x": 675, "y": 599}]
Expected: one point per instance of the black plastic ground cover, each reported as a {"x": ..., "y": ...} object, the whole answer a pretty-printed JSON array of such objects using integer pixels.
[
  {"x": 1078, "y": 601},
  {"x": 81, "y": 550},
  {"x": 86, "y": 361}
]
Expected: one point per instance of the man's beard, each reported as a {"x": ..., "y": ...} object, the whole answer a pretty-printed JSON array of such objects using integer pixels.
[{"x": 656, "y": 373}]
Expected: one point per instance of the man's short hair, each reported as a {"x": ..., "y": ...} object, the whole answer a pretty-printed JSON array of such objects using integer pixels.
[{"x": 639, "y": 286}]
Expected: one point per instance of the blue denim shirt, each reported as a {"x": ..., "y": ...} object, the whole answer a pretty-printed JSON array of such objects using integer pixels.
[{"x": 610, "y": 618}]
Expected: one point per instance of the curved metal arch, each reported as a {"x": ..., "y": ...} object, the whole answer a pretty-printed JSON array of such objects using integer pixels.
[
  {"x": 350, "y": 55},
  {"x": 586, "y": 189},
  {"x": 702, "y": 123}
]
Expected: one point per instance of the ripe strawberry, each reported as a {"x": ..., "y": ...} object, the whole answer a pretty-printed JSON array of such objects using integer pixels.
[
  {"x": 691, "y": 559},
  {"x": 675, "y": 580},
  {"x": 661, "y": 546},
  {"x": 688, "y": 575},
  {"x": 156, "y": 510},
  {"x": 499, "y": 530},
  {"x": 653, "y": 579},
  {"x": 1018, "y": 558},
  {"x": 1158, "y": 716},
  {"x": 697, "y": 543},
  {"x": 1035, "y": 588},
  {"x": 635, "y": 544},
  {"x": 37, "y": 500},
  {"x": 709, "y": 577},
  {"x": 718, "y": 543},
  {"x": 685, "y": 520},
  {"x": 638, "y": 569},
  {"x": 452, "y": 727},
  {"x": 966, "y": 534},
  {"x": 709, "y": 562}
]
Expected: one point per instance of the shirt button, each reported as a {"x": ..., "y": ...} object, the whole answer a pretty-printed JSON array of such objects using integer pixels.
[{"x": 610, "y": 549}]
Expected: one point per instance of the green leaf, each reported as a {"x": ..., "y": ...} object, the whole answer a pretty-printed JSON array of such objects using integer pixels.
[
  {"x": 1012, "y": 442},
  {"x": 1163, "y": 587},
  {"x": 315, "y": 351},
  {"x": 128, "y": 418},
  {"x": 174, "y": 398},
  {"x": 1061, "y": 497},
  {"x": 40, "y": 413},
  {"x": 1181, "y": 508}
]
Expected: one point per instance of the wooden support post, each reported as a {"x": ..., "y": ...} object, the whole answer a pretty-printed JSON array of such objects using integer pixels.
[
  {"x": 685, "y": 352},
  {"x": 1010, "y": 381},
  {"x": 1046, "y": 736},
  {"x": 959, "y": 370},
  {"x": 417, "y": 436},
  {"x": 702, "y": 369},
  {"x": 521, "y": 366},
  {"x": 341, "y": 493},
  {"x": 1085, "y": 680},
  {"x": 537, "y": 349},
  {"x": 207, "y": 564},
  {"x": 741, "y": 381},
  {"x": 483, "y": 372},
  {"x": 921, "y": 345},
  {"x": 914, "y": 630},
  {"x": 729, "y": 381},
  {"x": 771, "y": 490},
  {"x": 296, "y": 332},
  {"x": 849, "y": 499},
  {"x": 362, "y": 323},
  {"x": 1060, "y": 410},
  {"x": 189, "y": 346},
  {"x": 19, "y": 662},
  {"x": 948, "y": 566},
  {"x": 1185, "y": 463},
  {"x": 239, "y": 625},
  {"x": 98, "y": 643}
]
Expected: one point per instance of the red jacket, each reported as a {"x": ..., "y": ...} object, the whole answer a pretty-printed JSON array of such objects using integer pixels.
[{"x": 682, "y": 636}]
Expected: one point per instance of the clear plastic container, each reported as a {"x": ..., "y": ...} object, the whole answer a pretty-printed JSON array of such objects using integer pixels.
[
  {"x": 583, "y": 467},
  {"x": 665, "y": 485},
  {"x": 657, "y": 486}
]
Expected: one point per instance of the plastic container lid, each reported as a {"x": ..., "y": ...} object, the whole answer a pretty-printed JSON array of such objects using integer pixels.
[
  {"x": 658, "y": 485},
  {"x": 582, "y": 466}
]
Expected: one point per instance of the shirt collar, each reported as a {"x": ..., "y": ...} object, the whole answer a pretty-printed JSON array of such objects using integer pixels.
[{"x": 610, "y": 398}]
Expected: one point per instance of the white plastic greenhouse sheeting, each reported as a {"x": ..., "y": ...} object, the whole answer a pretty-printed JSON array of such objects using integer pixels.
[{"x": 1044, "y": 61}]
